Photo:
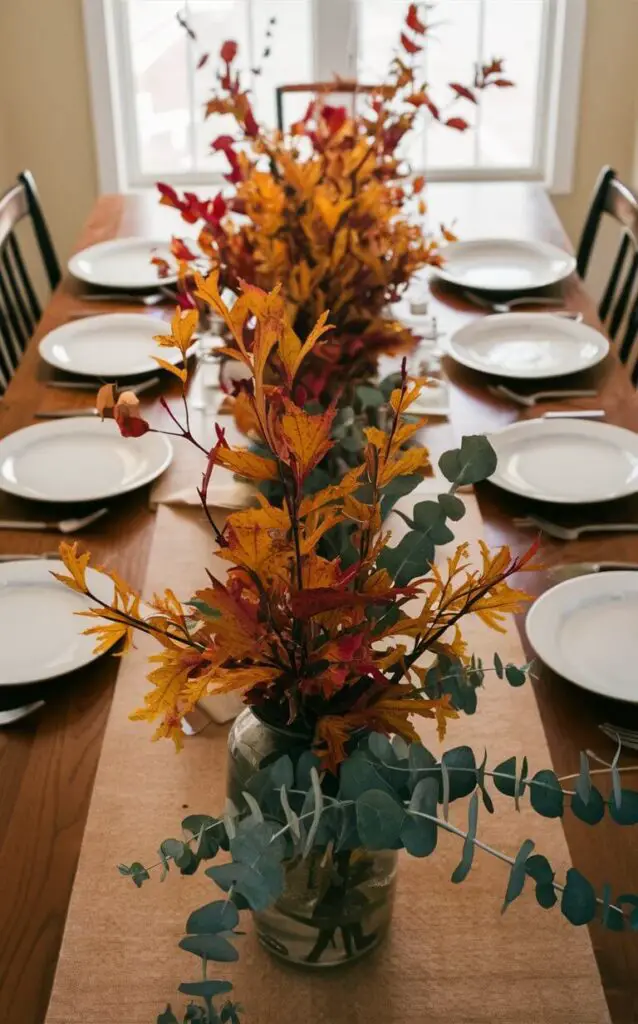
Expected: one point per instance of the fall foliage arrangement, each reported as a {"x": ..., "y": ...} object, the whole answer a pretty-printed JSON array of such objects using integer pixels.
[
  {"x": 328, "y": 208},
  {"x": 340, "y": 654}
]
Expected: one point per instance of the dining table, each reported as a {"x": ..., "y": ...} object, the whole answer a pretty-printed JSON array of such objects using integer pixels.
[{"x": 48, "y": 760}]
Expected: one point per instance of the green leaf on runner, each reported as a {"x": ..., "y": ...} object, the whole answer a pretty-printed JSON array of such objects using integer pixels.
[
  {"x": 419, "y": 835},
  {"x": 546, "y": 795},
  {"x": 210, "y": 947},
  {"x": 453, "y": 507},
  {"x": 219, "y": 916},
  {"x": 475, "y": 460},
  {"x": 591, "y": 812}
]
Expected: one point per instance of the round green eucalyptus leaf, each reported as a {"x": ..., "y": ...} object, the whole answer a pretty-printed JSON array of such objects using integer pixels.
[
  {"x": 546, "y": 797},
  {"x": 591, "y": 812},
  {"x": 379, "y": 820},
  {"x": 578, "y": 902}
]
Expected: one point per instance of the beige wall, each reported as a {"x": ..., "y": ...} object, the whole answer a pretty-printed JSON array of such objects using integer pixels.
[
  {"x": 45, "y": 122},
  {"x": 608, "y": 106}
]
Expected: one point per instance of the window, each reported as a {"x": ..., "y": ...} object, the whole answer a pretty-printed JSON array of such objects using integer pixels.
[{"x": 149, "y": 96}]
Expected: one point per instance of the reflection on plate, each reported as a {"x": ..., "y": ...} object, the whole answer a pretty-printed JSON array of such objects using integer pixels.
[
  {"x": 79, "y": 459},
  {"x": 109, "y": 346},
  {"x": 40, "y": 636},
  {"x": 527, "y": 346},
  {"x": 504, "y": 264},
  {"x": 566, "y": 461},
  {"x": 585, "y": 629}
]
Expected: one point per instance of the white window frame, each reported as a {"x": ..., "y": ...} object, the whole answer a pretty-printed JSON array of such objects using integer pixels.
[{"x": 334, "y": 52}]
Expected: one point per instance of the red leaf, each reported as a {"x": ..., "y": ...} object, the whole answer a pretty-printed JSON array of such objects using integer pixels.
[
  {"x": 181, "y": 251},
  {"x": 250, "y": 123},
  {"x": 462, "y": 90},
  {"x": 228, "y": 51},
  {"x": 413, "y": 21},
  {"x": 163, "y": 267},
  {"x": 408, "y": 45},
  {"x": 169, "y": 195},
  {"x": 223, "y": 142},
  {"x": 185, "y": 300},
  {"x": 131, "y": 426},
  {"x": 494, "y": 67},
  {"x": 306, "y": 603},
  {"x": 503, "y": 83},
  {"x": 334, "y": 118},
  {"x": 202, "y": 60},
  {"x": 458, "y": 123}
]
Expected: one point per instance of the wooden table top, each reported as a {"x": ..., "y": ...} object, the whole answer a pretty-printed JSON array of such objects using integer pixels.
[{"x": 48, "y": 761}]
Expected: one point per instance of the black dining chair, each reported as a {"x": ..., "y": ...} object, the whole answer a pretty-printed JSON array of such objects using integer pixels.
[
  {"x": 20, "y": 309},
  {"x": 618, "y": 307}
]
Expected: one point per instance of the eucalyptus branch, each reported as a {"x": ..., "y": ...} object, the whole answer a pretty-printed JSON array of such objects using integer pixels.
[
  {"x": 599, "y": 771},
  {"x": 491, "y": 775},
  {"x": 441, "y": 823}
]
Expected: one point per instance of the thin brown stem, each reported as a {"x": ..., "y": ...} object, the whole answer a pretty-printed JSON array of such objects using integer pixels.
[{"x": 145, "y": 626}]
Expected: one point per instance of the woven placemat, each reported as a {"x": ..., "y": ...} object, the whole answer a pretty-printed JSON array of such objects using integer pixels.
[{"x": 451, "y": 958}]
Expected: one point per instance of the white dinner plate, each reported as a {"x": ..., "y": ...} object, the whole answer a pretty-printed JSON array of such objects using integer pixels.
[
  {"x": 527, "y": 345},
  {"x": 504, "y": 264},
  {"x": 585, "y": 629},
  {"x": 40, "y": 636},
  {"x": 123, "y": 263},
  {"x": 566, "y": 461},
  {"x": 109, "y": 346},
  {"x": 79, "y": 459}
]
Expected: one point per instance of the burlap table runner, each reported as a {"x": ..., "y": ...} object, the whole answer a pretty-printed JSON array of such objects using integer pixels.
[{"x": 451, "y": 957}]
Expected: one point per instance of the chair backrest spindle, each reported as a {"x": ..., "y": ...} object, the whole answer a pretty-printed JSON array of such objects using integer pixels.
[
  {"x": 20, "y": 309},
  {"x": 618, "y": 307}
]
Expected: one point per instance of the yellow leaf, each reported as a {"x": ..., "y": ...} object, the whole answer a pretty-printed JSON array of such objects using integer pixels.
[
  {"x": 247, "y": 464},
  {"x": 415, "y": 460},
  {"x": 109, "y": 635},
  {"x": 307, "y": 437},
  {"x": 177, "y": 371},
  {"x": 76, "y": 565},
  {"x": 317, "y": 331}
]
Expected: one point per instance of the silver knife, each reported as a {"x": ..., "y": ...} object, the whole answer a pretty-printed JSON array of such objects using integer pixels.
[
  {"x": 575, "y": 414},
  {"x": 93, "y": 385},
  {"x": 48, "y": 555}
]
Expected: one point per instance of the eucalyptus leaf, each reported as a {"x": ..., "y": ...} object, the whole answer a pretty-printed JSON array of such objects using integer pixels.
[
  {"x": 168, "y": 1017},
  {"x": 357, "y": 775},
  {"x": 498, "y": 666},
  {"x": 546, "y": 795},
  {"x": 219, "y": 916},
  {"x": 282, "y": 773},
  {"x": 461, "y": 765},
  {"x": 380, "y": 746},
  {"x": 583, "y": 782},
  {"x": 624, "y": 812},
  {"x": 290, "y": 815},
  {"x": 318, "y": 808},
  {"x": 518, "y": 874},
  {"x": 515, "y": 676},
  {"x": 452, "y": 506},
  {"x": 209, "y": 832},
  {"x": 591, "y": 812},
  {"x": 419, "y": 835},
  {"x": 420, "y": 760},
  {"x": 210, "y": 947},
  {"x": 475, "y": 460},
  {"x": 504, "y": 776},
  {"x": 379, "y": 820},
  {"x": 462, "y": 870},
  {"x": 370, "y": 398},
  {"x": 411, "y": 557},
  {"x": 206, "y": 989},
  {"x": 578, "y": 902}
]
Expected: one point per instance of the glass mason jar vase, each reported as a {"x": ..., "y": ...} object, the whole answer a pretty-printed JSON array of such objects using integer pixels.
[{"x": 336, "y": 906}]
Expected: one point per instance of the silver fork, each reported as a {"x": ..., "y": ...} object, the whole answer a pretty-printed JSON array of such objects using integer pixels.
[
  {"x": 44, "y": 555},
  {"x": 65, "y": 414},
  {"x": 62, "y": 525},
  {"x": 93, "y": 385},
  {"x": 626, "y": 737},
  {"x": 151, "y": 299},
  {"x": 572, "y": 532},
  {"x": 549, "y": 302},
  {"x": 538, "y": 396}
]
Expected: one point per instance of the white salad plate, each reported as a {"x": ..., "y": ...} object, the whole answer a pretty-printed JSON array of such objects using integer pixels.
[
  {"x": 504, "y": 264},
  {"x": 123, "y": 263},
  {"x": 566, "y": 461},
  {"x": 585, "y": 629},
  {"x": 40, "y": 636},
  {"x": 108, "y": 346},
  {"x": 79, "y": 459},
  {"x": 527, "y": 346}
]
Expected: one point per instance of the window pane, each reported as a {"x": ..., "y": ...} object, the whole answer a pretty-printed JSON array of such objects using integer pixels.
[
  {"x": 159, "y": 107},
  {"x": 508, "y": 116},
  {"x": 465, "y": 32}
]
